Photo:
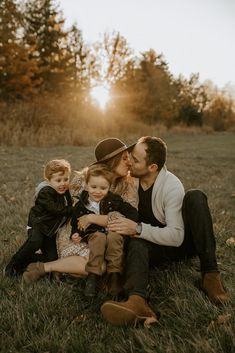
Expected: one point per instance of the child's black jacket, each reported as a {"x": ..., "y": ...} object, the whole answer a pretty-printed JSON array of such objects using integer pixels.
[
  {"x": 111, "y": 202},
  {"x": 50, "y": 211}
]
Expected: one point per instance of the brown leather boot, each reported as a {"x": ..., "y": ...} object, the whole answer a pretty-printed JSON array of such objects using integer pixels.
[
  {"x": 33, "y": 272},
  {"x": 130, "y": 312},
  {"x": 212, "y": 286},
  {"x": 114, "y": 286}
]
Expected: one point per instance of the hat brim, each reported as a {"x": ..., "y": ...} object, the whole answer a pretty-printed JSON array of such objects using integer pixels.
[
  {"x": 130, "y": 148},
  {"x": 114, "y": 154}
]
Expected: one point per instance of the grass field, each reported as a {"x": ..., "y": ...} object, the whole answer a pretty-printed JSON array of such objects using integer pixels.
[{"x": 55, "y": 317}]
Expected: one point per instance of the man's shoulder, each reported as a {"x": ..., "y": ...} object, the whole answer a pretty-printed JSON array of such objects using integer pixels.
[
  {"x": 173, "y": 189},
  {"x": 167, "y": 181},
  {"x": 171, "y": 177}
]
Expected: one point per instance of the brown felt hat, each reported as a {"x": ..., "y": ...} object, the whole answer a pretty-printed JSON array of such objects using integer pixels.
[{"x": 108, "y": 148}]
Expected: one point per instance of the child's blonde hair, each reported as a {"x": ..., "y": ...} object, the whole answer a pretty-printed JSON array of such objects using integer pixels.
[
  {"x": 55, "y": 166},
  {"x": 99, "y": 170}
]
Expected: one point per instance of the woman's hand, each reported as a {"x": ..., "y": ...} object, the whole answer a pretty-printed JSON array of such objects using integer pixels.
[
  {"x": 76, "y": 238},
  {"x": 84, "y": 221}
]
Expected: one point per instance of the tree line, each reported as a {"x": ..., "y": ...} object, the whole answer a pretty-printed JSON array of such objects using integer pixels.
[{"x": 39, "y": 57}]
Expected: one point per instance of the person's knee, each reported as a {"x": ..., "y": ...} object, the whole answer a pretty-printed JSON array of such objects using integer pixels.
[
  {"x": 195, "y": 197},
  {"x": 115, "y": 239},
  {"x": 137, "y": 246},
  {"x": 97, "y": 238}
]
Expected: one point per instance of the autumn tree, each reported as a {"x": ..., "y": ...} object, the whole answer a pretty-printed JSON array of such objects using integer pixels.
[
  {"x": 220, "y": 111},
  {"x": 192, "y": 100},
  {"x": 148, "y": 89},
  {"x": 113, "y": 55},
  {"x": 17, "y": 68},
  {"x": 82, "y": 65}
]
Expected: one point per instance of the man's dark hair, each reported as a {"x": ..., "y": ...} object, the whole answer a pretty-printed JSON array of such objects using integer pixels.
[{"x": 155, "y": 151}]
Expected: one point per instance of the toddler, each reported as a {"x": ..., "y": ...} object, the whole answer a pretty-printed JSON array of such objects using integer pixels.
[
  {"x": 103, "y": 245},
  {"x": 53, "y": 206}
]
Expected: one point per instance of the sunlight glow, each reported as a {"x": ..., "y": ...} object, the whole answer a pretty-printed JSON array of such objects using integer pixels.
[{"x": 101, "y": 95}]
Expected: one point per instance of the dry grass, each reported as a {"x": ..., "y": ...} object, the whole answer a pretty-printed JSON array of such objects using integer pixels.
[
  {"x": 56, "y": 318},
  {"x": 49, "y": 121}
]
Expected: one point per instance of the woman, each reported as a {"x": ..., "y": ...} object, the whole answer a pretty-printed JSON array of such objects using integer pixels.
[{"x": 73, "y": 257}]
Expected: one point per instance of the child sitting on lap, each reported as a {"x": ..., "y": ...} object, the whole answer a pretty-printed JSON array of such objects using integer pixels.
[{"x": 103, "y": 245}]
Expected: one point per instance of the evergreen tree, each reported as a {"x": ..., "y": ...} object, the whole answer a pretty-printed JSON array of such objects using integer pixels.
[{"x": 44, "y": 30}]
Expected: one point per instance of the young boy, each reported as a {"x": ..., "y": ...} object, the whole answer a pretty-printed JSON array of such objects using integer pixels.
[
  {"x": 53, "y": 206},
  {"x": 104, "y": 246}
]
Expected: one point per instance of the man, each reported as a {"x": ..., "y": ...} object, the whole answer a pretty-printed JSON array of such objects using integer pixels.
[{"x": 173, "y": 226}]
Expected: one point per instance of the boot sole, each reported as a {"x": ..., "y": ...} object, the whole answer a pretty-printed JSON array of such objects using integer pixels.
[{"x": 118, "y": 315}]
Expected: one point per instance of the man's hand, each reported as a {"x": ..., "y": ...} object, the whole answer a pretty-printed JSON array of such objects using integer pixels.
[
  {"x": 76, "y": 238},
  {"x": 122, "y": 226}
]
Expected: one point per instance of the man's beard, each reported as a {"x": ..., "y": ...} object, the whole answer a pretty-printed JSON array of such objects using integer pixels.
[{"x": 138, "y": 174}]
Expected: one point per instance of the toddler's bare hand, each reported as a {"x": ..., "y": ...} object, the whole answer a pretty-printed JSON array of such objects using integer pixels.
[{"x": 76, "y": 238}]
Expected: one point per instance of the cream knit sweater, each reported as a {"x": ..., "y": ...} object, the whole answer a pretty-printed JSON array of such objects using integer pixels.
[{"x": 167, "y": 199}]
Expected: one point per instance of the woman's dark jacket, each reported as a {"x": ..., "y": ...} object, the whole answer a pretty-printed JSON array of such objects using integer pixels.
[
  {"x": 111, "y": 202},
  {"x": 51, "y": 210}
]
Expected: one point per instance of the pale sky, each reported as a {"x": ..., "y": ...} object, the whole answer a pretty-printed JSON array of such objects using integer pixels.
[{"x": 193, "y": 35}]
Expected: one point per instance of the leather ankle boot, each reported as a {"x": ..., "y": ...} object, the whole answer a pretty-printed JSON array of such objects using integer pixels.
[
  {"x": 91, "y": 288},
  {"x": 212, "y": 286},
  {"x": 10, "y": 271},
  {"x": 33, "y": 272},
  {"x": 130, "y": 312},
  {"x": 114, "y": 283}
]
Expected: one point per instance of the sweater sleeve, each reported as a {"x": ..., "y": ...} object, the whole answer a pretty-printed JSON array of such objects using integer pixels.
[{"x": 173, "y": 232}]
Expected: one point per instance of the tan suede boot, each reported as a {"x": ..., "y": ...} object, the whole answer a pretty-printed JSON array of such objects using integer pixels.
[
  {"x": 130, "y": 312},
  {"x": 33, "y": 272},
  {"x": 212, "y": 286}
]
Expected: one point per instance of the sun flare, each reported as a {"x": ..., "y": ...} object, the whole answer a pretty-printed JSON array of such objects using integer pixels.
[{"x": 100, "y": 95}]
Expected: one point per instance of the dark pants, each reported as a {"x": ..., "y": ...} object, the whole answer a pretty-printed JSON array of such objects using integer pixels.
[
  {"x": 26, "y": 253},
  {"x": 199, "y": 240}
]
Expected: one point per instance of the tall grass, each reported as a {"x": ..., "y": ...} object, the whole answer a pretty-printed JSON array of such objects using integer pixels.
[
  {"x": 55, "y": 317},
  {"x": 50, "y": 121}
]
